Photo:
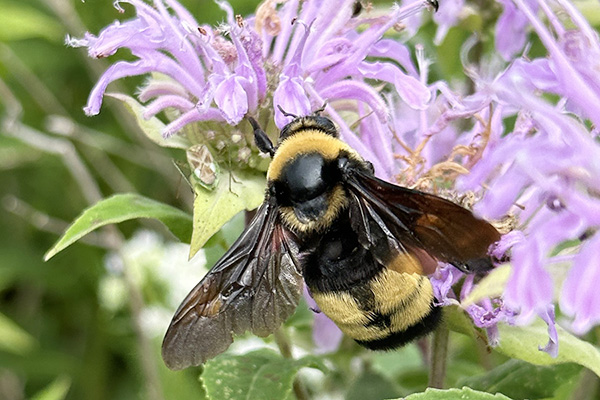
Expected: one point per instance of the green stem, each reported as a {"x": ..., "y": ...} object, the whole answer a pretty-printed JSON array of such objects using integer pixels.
[
  {"x": 439, "y": 352},
  {"x": 285, "y": 349},
  {"x": 587, "y": 387}
]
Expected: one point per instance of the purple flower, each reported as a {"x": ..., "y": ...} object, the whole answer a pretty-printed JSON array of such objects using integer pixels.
[
  {"x": 513, "y": 27},
  {"x": 300, "y": 57},
  {"x": 580, "y": 290},
  {"x": 545, "y": 170}
]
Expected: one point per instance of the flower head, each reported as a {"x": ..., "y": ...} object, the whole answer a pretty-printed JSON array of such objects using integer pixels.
[
  {"x": 544, "y": 170},
  {"x": 297, "y": 56},
  {"x": 541, "y": 169}
]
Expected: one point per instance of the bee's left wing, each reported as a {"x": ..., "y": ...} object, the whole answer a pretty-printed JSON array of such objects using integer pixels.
[
  {"x": 254, "y": 287},
  {"x": 412, "y": 221}
]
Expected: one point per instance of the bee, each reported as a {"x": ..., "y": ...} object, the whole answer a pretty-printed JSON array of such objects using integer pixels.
[{"x": 362, "y": 246}]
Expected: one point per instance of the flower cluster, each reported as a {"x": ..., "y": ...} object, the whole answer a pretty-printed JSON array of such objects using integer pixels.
[
  {"x": 532, "y": 142},
  {"x": 297, "y": 56},
  {"x": 544, "y": 170}
]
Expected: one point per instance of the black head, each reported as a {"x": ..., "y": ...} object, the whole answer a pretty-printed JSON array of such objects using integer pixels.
[
  {"x": 306, "y": 184},
  {"x": 305, "y": 176}
]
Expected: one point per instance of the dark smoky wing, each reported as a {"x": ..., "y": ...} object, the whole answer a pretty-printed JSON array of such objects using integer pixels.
[
  {"x": 254, "y": 287},
  {"x": 419, "y": 220}
]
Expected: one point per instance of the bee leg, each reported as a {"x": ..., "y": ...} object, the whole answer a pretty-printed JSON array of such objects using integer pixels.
[{"x": 261, "y": 139}]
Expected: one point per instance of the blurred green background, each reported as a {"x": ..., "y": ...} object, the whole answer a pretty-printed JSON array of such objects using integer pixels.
[{"x": 55, "y": 336}]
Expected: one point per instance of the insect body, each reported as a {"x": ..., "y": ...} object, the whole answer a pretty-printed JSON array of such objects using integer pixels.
[{"x": 361, "y": 245}]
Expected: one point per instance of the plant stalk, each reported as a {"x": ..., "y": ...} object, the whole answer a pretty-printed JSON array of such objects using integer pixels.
[
  {"x": 285, "y": 349},
  {"x": 439, "y": 353}
]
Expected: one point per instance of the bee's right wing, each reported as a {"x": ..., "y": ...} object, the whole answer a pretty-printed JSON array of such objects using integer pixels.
[
  {"x": 254, "y": 287},
  {"x": 427, "y": 226}
]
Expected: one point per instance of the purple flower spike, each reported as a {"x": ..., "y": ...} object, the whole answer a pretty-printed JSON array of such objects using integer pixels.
[
  {"x": 297, "y": 57},
  {"x": 549, "y": 318},
  {"x": 580, "y": 291},
  {"x": 512, "y": 28},
  {"x": 231, "y": 99}
]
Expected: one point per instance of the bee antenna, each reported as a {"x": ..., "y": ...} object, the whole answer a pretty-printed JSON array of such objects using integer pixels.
[
  {"x": 433, "y": 3},
  {"x": 285, "y": 113},
  {"x": 261, "y": 139},
  {"x": 320, "y": 110}
]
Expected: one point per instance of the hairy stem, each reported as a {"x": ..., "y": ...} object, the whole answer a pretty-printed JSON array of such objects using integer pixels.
[
  {"x": 285, "y": 349},
  {"x": 439, "y": 352}
]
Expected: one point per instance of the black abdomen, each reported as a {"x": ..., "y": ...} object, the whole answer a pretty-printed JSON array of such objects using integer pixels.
[{"x": 380, "y": 306}]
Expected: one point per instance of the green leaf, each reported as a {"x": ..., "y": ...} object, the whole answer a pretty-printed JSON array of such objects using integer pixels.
[
  {"x": 522, "y": 342},
  {"x": 13, "y": 338},
  {"x": 398, "y": 362},
  {"x": 491, "y": 286},
  {"x": 152, "y": 127},
  {"x": 458, "y": 321},
  {"x": 57, "y": 390},
  {"x": 455, "y": 394},
  {"x": 589, "y": 8},
  {"x": 262, "y": 374},
  {"x": 522, "y": 380},
  {"x": 119, "y": 208},
  {"x": 19, "y": 21},
  {"x": 372, "y": 385},
  {"x": 213, "y": 208}
]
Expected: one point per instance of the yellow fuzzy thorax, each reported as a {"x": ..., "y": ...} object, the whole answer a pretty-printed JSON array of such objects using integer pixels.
[{"x": 304, "y": 142}]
